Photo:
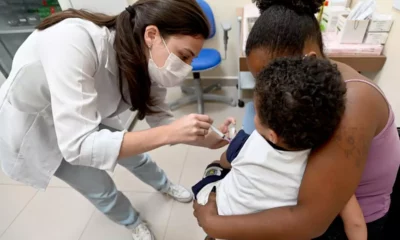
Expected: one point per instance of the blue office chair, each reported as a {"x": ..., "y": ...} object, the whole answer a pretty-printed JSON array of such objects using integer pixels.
[{"x": 208, "y": 59}]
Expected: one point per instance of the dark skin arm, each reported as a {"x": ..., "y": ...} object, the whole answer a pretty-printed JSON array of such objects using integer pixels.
[
  {"x": 331, "y": 178},
  {"x": 224, "y": 161}
]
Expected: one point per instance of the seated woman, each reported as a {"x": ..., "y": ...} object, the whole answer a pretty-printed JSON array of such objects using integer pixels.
[
  {"x": 361, "y": 157},
  {"x": 299, "y": 104}
]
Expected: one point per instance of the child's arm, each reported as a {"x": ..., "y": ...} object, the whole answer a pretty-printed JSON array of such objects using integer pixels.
[
  {"x": 223, "y": 161},
  {"x": 233, "y": 150},
  {"x": 353, "y": 219}
]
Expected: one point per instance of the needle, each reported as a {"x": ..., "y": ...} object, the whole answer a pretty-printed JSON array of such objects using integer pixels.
[{"x": 220, "y": 133}]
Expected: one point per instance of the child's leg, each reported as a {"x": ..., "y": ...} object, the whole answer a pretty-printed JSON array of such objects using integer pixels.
[
  {"x": 213, "y": 174},
  {"x": 353, "y": 219}
]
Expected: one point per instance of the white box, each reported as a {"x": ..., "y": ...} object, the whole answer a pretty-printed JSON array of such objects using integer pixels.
[
  {"x": 396, "y": 4},
  {"x": 351, "y": 31},
  {"x": 330, "y": 17},
  {"x": 376, "y": 37},
  {"x": 332, "y": 46},
  {"x": 338, "y": 3},
  {"x": 380, "y": 23}
]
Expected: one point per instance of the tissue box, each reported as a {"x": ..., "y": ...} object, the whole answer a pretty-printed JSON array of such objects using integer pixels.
[
  {"x": 380, "y": 23},
  {"x": 376, "y": 38},
  {"x": 330, "y": 17},
  {"x": 351, "y": 31}
]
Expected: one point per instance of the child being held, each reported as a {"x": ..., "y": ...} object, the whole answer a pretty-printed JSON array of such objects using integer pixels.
[{"x": 299, "y": 103}]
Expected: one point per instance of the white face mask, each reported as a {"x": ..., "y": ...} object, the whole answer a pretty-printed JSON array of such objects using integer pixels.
[{"x": 172, "y": 74}]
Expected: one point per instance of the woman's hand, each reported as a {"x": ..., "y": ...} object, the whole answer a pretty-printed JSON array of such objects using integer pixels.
[
  {"x": 224, "y": 128},
  {"x": 213, "y": 140},
  {"x": 189, "y": 129},
  {"x": 206, "y": 212}
]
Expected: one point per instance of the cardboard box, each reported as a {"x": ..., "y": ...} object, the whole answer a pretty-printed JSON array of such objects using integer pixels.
[
  {"x": 376, "y": 37},
  {"x": 330, "y": 17},
  {"x": 380, "y": 23},
  {"x": 351, "y": 31}
]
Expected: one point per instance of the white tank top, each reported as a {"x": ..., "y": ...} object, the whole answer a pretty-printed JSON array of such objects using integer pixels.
[{"x": 261, "y": 178}]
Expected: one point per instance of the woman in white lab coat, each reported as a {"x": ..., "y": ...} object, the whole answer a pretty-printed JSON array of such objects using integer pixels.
[{"x": 79, "y": 68}]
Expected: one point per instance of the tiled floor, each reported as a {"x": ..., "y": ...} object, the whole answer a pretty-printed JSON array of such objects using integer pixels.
[{"x": 60, "y": 213}]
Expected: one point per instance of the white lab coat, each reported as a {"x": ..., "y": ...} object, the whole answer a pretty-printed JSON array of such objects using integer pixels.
[{"x": 63, "y": 83}]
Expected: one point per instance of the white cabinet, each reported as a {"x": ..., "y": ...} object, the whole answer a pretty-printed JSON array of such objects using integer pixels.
[
  {"x": 2, "y": 79},
  {"x": 5, "y": 59}
]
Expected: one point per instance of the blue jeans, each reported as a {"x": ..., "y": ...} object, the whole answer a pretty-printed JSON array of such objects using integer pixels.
[
  {"x": 248, "y": 120},
  {"x": 98, "y": 187}
]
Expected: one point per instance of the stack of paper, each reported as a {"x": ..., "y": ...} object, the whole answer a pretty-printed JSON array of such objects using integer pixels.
[{"x": 332, "y": 46}]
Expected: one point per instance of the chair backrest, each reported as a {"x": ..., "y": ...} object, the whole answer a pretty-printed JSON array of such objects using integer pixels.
[{"x": 210, "y": 16}]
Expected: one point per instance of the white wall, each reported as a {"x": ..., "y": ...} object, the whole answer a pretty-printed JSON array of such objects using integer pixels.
[
  {"x": 389, "y": 78},
  {"x": 225, "y": 10}
]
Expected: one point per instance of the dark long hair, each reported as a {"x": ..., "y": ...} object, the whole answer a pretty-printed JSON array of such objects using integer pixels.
[
  {"x": 172, "y": 17},
  {"x": 285, "y": 26}
]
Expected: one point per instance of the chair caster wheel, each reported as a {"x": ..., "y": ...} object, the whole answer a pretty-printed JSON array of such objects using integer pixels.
[{"x": 240, "y": 103}]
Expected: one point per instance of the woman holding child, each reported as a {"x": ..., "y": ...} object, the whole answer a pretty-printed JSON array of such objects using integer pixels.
[{"x": 360, "y": 158}]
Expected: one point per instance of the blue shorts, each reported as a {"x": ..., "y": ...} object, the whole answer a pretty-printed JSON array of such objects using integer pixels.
[{"x": 215, "y": 172}]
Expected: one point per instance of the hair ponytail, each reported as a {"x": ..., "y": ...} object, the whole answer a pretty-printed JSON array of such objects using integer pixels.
[
  {"x": 132, "y": 63},
  {"x": 285, "y": 26},
  {"x": 310, "y": 7}
]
